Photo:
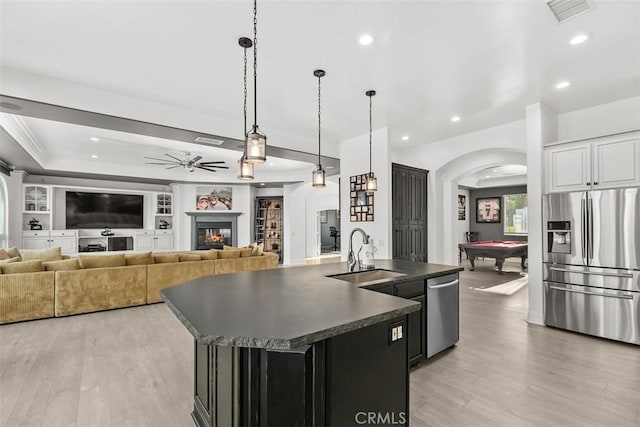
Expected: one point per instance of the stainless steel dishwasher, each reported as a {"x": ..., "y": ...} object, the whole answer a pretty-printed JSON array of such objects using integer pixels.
[{"x": 442, "y": 313}]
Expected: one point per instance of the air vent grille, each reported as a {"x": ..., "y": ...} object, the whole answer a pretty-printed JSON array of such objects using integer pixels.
[
  {"x": 209, "y": 141},
  {"x": 568, "y": 9}
]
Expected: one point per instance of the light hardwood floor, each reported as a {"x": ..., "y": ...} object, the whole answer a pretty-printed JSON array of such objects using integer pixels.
[{"x": 134, "y": 367}]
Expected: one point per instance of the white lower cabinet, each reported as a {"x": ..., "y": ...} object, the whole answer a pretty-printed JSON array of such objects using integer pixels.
[
  {"x": 41, "y": 239},
  {"x": 154, "y": 240}
]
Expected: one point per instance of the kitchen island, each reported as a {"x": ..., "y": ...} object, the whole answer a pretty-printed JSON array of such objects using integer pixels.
[{"x": 291, "y": 346}]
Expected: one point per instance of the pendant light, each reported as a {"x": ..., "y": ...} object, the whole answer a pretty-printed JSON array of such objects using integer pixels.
[
  {"x": 371, "y": 184},
  {"x": 245, "y": 169},
  {"x": 255, "y": 142},
  {"x": 319, "y": 174}
]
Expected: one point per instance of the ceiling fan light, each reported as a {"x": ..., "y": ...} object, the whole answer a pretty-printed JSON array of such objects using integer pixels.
[
  {"x": 245, "y": 170},
  {"x": 319, "y": 177},
  {"x": 256, "y": 146},
  {"x": 371, "y": 183}
]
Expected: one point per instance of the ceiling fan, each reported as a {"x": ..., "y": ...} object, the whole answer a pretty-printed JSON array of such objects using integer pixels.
[{"x": 189, "y": 163}]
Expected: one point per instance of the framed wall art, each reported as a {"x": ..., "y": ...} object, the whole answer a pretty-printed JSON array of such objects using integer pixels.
[
  {"x": 361, "y": 202},
  {"x": 462, "y": 207},
  {"x": 488, "y": 209}
]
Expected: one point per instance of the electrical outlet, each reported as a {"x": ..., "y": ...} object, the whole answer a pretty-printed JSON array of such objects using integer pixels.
[
  {"x": 399, "y": 328},
  {"x": 381, "y": 243},
  {"x": 394, "y": 334}
]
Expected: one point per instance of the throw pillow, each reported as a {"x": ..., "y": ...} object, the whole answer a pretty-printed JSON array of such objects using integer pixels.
[
  {"x": 211, "y": 254},
  {"x": 258, "y": 249},
  {"x": 229, "y": 253},
  {"x": 62, "y": 265},
  {"x": 143, "y": 258},
  {"x": 12, "y": 252},
  {"x": 21, "y": 267},
  {"x": 50, "y": 254},
  {"x": 246, "y": 252},
  {"x": 8, "y": 260},
  {"x": 165, "y": 258},
  {"x": 189, "y": 257},
  {"x": 102, "y": 261},
  {"x": 4, "y": 254}
]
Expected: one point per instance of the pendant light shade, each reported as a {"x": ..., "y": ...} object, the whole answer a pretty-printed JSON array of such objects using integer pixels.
[
  {"x": 319, "y": 174},
  {"x": 371, "y": 184},
  {"x": 256, "y": 142},
  {"x": 245, "y": 169}
]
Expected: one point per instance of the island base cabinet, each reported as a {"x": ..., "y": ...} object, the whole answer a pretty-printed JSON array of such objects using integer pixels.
[{"x": 360, "y": 377}]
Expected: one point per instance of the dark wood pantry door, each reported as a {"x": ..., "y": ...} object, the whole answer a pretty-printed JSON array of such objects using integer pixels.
[{"x": 409, "y": 205}]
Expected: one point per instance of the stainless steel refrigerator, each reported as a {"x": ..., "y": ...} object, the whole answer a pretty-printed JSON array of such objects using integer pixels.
[{"x": 592, "y": 262}]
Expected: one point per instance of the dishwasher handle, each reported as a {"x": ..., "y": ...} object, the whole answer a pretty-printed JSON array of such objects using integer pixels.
[{"x": 444, "y": 285}]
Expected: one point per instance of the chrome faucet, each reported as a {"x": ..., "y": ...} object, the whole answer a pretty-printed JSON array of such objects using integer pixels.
[{"x": 351, "y": 258}]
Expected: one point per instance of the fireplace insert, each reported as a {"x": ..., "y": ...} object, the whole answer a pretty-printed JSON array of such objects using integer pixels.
[{"x": 213, "y": 235}]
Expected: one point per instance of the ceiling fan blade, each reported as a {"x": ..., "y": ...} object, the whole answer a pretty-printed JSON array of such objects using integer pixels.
[
  {"x": 211, "y": 163},
  {"x": 173, "y": 167},
  {"x": 162, "y": 160},
  {"x": 173, "y": 157},
  {"x": 163, "y": 164},
  {"x": 212, "y": 167},
  {"x": 206, "y": 168},
  {"x": 195, "y": 159}
]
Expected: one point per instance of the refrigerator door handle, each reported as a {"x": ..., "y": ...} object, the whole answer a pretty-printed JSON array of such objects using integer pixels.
[
  {"x": 595, "y": 273},
  {"x": 590, "y": 230},
  {"x": 583, "y": 234},
  {"x": 623, "y": 296}
]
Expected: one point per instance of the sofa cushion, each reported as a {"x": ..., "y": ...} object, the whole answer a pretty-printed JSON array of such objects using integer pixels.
[
  {"x": 12, "y": 252},
  {"x": 164, "y": 258},
  {"x": 189, "y": 257},
  {"x": 229, "y": 253},
  {"x": 26, "y": 296},
  {"x": 101, "y": 261},
  {"x": 211, "y": 254},
  {"x": 8, "y": 260},
  {"x": 62, "y": 265},
  {"x": 143, "y": 258},
  {"x": 258, "y": 249},
  {"x": 244, "y": 251},
  {"x": 21, "y": 267},
  {"x": 49, "y": 254},
  {"x": 4, "y": 254}
]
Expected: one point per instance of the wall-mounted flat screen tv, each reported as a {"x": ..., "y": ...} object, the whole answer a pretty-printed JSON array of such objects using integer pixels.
[{"x": 99, "y": 210}]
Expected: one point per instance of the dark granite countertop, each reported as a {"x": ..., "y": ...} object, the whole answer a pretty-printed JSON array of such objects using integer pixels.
[{"x": 289, "y": 307}]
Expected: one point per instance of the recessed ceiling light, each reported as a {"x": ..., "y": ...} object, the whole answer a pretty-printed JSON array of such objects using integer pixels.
[
  {"x": 405, "y": 138},
  {"x": 563, "y": 84},
  {"x": 271, "y": 164},
  {"x": 94, "y": 139},
  {"x": 580, "y": 38},
  {"x": 455, "y": 119},
  {"x": 365, "y": 40},
  {"x": 262, "y": 183},
  {"x": 495, "y": 170},
  {"x": 487, "y": 176},
  {"x": 94, "y": 156}
]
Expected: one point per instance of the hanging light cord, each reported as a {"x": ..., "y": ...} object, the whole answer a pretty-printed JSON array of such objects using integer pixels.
[
  {"x": 370, "y": 131},
  {"x": 319, "y": 120},
  {"x": 245, "y": 92},
  {"x": 255, "y": 64}
]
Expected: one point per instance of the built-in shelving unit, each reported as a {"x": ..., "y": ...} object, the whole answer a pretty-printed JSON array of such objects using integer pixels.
[{"x": 268, "y": 225}]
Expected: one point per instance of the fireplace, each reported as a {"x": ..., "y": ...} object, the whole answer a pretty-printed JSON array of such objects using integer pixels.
[
  {"x": 213, "y": 235},
  {"x": 213, "y": 230}
]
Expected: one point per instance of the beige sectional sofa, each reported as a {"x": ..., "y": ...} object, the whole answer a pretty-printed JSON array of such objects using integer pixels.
[{"x": 90, "y": 286}]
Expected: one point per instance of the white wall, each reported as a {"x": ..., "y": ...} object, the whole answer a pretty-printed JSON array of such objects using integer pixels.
[
  {"x": 604, "y": 119},
  {"x": 354, "y": 160}
]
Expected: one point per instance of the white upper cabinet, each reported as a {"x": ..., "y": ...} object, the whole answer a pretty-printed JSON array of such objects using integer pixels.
[
  {"x": 36, "y": 199},
  {"x": 618, "y": 163},
  {"x": 608, "y": 162},
  {"x": 569, "y": 167}
]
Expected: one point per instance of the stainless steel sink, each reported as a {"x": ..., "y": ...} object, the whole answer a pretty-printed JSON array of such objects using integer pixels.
[{"x": 367, "y": 276}]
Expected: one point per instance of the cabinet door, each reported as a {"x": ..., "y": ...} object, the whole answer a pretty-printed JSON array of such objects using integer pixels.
[
  {"x": 164, "y": 242},
  {"x": 36, "y": 242},
  {"x": 616, "y": 163},
  {"x": 569, "y": 168},
  {"x": 36, "y": 199},
  {"x": 143, "y": 242},
  {"x": 67, "y": 243}
]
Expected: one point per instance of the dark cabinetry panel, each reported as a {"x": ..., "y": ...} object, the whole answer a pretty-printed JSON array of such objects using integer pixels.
[{"x": 409, "y": 211}]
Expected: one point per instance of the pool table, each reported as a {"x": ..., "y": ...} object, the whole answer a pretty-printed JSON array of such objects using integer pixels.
[{"x": 498, "y": 249}]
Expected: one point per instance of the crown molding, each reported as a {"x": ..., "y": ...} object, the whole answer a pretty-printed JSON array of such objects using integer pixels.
[{"x": 20, "y": 131}]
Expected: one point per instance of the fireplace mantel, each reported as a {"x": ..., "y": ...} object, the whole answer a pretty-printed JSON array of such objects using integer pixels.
[{"x": 213, "y": 216}]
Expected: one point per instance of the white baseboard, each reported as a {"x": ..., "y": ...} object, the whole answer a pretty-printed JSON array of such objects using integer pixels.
[{"x": 535, "y": 318}]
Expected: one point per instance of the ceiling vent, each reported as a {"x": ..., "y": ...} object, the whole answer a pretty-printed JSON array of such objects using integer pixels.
[
  {"x": 568, "y": 9},
  {"x": 209, "y": 141}
]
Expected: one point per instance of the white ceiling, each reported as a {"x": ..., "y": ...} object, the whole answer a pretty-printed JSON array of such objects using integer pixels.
[
  {"x": 496, "y": 176},
  {"x": 481, "y": 60}
]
